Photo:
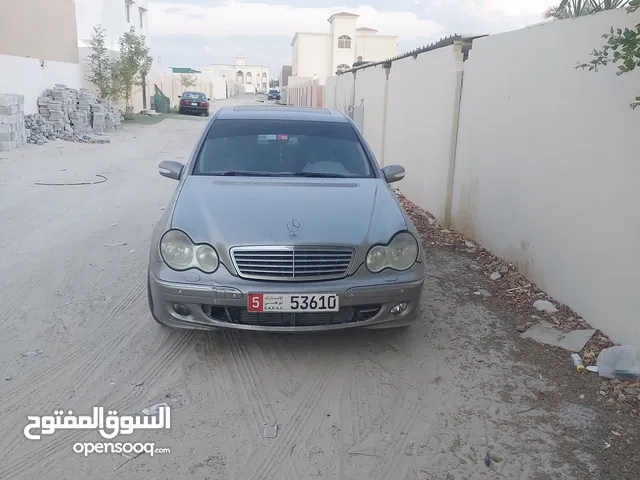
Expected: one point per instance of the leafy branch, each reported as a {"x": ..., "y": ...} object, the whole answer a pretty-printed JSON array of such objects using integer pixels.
[{"x": 622, "y": 47}]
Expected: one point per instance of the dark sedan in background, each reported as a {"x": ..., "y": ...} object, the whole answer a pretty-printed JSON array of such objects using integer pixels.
[
  {"x": 273, "y": 94},
  {"x": 194, "y": 102}
]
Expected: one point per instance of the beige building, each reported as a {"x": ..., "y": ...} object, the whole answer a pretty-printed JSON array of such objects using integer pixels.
[
  {"x": 250, "y": 78},
  {"x": 44, "y": 30},
  {"x": 320, "y": 55}
]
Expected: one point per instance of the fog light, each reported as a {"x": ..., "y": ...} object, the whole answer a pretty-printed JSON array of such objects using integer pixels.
[
  {"x": 399, "y": 308},
  {"x": 181, "y": 309}
]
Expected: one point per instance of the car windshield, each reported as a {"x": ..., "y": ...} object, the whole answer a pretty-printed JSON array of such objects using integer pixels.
[
  {"x": 194, "y": 96},
  {"x": 283, "y": 148}
]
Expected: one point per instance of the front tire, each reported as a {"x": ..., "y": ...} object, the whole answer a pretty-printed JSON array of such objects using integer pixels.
[{"x": 150, "y": 300}]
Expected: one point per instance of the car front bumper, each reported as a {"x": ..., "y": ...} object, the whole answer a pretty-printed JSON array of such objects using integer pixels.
[{"x": 223, "y": 304}]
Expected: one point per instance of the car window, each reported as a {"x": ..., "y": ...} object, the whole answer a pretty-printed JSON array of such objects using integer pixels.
[
  {"x": 282, "y": 148},
  {"x": 194, "y": 96}
]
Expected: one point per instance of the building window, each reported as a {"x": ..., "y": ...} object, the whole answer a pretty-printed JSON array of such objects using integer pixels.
[
  {"x": 343, "y": 67},
  {"x": 240, "y": 77},
  {"x": 344, "y": 41},
  {"x": 127, "y": 10},
  {"x": 249, "y": 78},
  {"x": 264, "y": 78},
  {"x": 142, "y": 12}
]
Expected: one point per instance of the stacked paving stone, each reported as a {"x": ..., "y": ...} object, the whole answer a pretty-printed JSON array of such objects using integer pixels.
[
  {"x": 42, "y": 131},
  {"x": 63, "y": 114},
  {"x": 12, "y": 130}
]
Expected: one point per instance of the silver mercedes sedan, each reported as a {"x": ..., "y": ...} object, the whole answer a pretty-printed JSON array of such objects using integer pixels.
[{"x": 282, "y": 221}]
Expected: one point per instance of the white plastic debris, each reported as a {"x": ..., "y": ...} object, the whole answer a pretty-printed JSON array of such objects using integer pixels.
[
  {"x": 32, "y": 353},
  {"x": 270, "y": 431},
  {"x": 153, "y": 409},
  {"x": 621, "y": 361},
  {"x": 544, "y": 306}
]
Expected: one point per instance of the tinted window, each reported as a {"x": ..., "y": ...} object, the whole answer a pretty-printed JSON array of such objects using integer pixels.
[
  {"x": 194, "y": 96},
  {"x": 282, "y": 148}
]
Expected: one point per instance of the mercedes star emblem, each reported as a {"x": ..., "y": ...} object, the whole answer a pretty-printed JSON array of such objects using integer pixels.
[{"x": 293, "y": 226}]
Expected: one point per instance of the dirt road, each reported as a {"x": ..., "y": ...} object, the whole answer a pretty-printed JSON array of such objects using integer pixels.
[{"x": 428, "y": 403}]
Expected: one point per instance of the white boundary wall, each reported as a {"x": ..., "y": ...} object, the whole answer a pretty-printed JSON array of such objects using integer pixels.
[
  {"x": 538, "y": 162},
  {"x": 26, "y": 76}
]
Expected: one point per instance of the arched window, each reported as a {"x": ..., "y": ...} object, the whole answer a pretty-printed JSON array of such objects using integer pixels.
[
  {"x": 343, "y": 67},
  {"x": 344, "y": 41},
  {"x": 240, "y": 77},
  {"x": 249, "y": 78},
  {"x": 264, "y": 78}
]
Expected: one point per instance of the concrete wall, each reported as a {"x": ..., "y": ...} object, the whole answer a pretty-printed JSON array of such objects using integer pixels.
[
  {"x": 111, "y": 15},
  {"x": 547, "y": 166},
  {"x": 313, "y": 54},
  {"x": 537, "y": 161},
  {"x": 43, "y": 30},
  {"x": 28, "y": 77}
]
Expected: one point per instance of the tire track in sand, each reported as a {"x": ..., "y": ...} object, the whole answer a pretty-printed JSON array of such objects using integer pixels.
[
  {"x": 106, "y": 341},
  {"x": 397, "y": 447},
  {"x": 270, "y": 460},
  {"x": 254, "y": 391},
  {"x": 161, "y": 360}
]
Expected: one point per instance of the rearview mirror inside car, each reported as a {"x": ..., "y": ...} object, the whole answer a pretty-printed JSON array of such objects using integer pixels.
[
  {"x": 393, "y": 173},
  {"x": 170, "y": 169}
]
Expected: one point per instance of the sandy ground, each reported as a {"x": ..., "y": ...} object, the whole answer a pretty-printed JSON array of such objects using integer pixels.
[{"x": 427, "y": 403}]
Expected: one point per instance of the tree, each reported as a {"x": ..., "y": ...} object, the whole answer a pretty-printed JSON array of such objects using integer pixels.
[
  {"x": 188, "y": 80},
  {"x": 133, "y": 65},
  {"x": 580, "y": 8},
  {"x": 622, "y": 48},
  {"x": 101, "y": 67}
]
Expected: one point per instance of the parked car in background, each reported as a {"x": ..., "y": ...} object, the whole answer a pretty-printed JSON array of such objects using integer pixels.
[
  {"x": 273, "y": 94},
  {"x": 194, "y": 102},
  {"x": 283, "y": 221}
]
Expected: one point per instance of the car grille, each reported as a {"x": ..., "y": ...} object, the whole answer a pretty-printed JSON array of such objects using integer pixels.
[
  {"x": 285, "y": 319},
  {"x": 292, "y": 263}
]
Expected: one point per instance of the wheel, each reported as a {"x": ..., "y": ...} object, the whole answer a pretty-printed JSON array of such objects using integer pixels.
[
  {"x": 180, "y": 112},
  {"x": 206, "y": 114},
  {"x": 150, "y": 300}
]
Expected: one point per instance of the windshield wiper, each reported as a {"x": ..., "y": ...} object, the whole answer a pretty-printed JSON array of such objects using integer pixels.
[
  {"x": 243, "y": 173},
  {"x": 317, "y": 175}
]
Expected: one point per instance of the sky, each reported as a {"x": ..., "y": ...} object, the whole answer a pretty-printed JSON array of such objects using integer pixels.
[{"x": 197, "y": 33}]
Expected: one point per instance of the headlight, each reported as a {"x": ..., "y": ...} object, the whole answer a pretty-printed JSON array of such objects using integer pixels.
[
  {"x": 180, "y": 253},
  {"x": 400, "y": 254}
]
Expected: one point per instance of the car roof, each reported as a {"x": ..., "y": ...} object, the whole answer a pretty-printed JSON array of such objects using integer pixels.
[
  {"x": 280, "y": 112},
  {"x": 193, "y": 91}
]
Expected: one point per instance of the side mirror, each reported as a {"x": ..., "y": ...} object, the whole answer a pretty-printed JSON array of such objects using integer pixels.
[
  {"x": 209, "y": 99},
  {"x": 179, "y": 96},
  {"x": 393, "y": 173},
  {"x": 170, "y": 169}
]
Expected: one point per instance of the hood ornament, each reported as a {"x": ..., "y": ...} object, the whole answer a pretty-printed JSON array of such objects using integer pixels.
[{"x": 293, "y": 226}]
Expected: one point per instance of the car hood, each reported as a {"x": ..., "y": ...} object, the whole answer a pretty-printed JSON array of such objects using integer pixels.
[{"x": 228, "y": 212}]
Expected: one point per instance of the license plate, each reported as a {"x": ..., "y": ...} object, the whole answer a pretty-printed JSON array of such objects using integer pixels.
[
  {"x": 276, "y": 302},
  {"x": 194, "y": 104}
]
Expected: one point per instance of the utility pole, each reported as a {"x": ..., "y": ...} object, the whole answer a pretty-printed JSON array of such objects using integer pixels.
[{"x": 260, "y": 82}]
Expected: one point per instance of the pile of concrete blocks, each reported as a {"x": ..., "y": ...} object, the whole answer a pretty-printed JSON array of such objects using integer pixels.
[
  {"x": 98, "y": 118},
  {"x": 13, "y": 133}
]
